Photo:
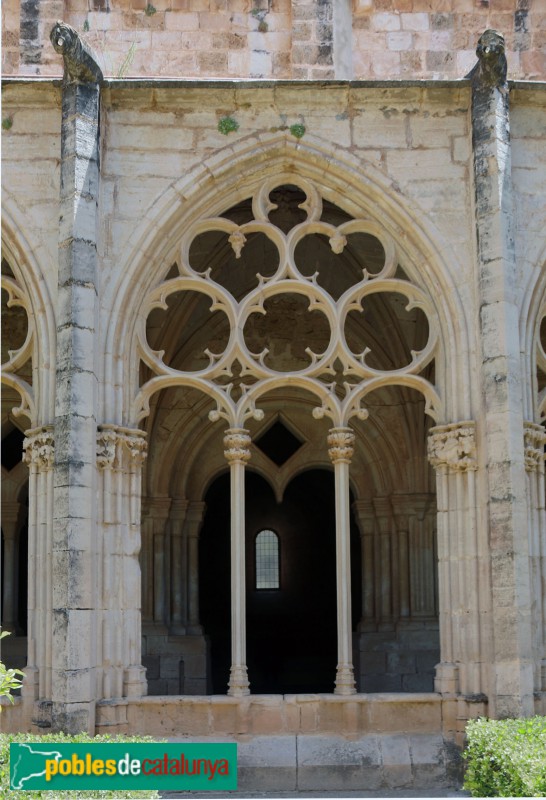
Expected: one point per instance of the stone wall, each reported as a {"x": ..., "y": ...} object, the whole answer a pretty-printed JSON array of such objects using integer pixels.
[{"x": 305, "y": 39}]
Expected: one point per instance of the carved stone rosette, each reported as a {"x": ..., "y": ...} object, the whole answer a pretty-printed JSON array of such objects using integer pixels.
[
  {"x": 534, "y": 437},
  {"x": 39, "y": 448},
  {"x": 453, "y": 446},
  {"x": 237, "y": 442},
  {"x": 114, "y": 443},
  {"x": 341, "y": 445}
]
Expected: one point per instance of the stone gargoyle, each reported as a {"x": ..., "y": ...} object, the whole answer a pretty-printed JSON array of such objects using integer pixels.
[
  {"x": 491, "y": 68},
  {"x": 80, "y": 65}
]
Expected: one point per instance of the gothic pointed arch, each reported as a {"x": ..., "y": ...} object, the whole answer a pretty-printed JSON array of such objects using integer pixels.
[
  {"x": 356, "y": 186},
  {"x": 291, "y": 307}
]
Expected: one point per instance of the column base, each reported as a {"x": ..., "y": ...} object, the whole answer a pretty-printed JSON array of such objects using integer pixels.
[
  {"x": 31, "y": 683},
  {"x": 447, "y": 678},
  {"x": 134, "y": 681},
  {"x": 345, "y": 679},
  {"x": 238, "y": 682}
]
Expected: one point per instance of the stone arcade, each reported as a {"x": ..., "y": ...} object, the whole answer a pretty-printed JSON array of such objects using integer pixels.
[{"x": 273, "y": 412}]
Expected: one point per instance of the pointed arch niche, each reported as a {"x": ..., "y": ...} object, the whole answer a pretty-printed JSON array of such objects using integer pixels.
[{"x": 286, "y": 313}]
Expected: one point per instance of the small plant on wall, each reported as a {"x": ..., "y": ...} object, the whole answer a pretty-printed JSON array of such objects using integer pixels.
[{"x": 228, "y": 125}]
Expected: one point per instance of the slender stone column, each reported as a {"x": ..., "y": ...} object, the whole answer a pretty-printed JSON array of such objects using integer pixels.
[
  {"x": 365, "y": 518},
  {"x": 535, "y": 439},
  {"x": 237, "y": 453},
  {"x": 178, "y": 568},
  {"x": 10, "y": 566},
  {"x": 39, "y": 454},
  {"x": 120, "y": 455},
  {"x": 462, "y": 563},
  {"x": 341, "y": 448},
  {"x": 501, "y": 377},
  {"x": 194, "y": 521}
]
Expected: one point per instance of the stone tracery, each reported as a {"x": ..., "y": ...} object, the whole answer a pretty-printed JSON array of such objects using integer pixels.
[
  {"x": 357, "y": 376},
  {"x": 12, "y": 369}
]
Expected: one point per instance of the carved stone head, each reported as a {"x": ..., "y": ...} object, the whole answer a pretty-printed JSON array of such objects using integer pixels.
[
  {"x": 63, "y": 38},
  {"x": 491, "y": 53},
  {"x": 80, "y": 65}
]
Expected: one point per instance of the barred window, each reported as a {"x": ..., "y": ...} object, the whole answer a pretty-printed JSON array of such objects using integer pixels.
[{"x": 267, "y": 560}]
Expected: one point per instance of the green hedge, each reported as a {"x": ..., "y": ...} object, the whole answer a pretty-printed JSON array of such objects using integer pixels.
[
  {"x": 506, "y": 758},
  {"x": 7, "y": 794}
]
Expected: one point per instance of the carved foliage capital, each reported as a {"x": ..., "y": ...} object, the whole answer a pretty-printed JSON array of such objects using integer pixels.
[
  {"x": 237, "y": 442},
  {"x": 340, "y": 445},
  {"x": 453, "y": 446},
  {"x": 534, "y": 437},
  {"x": 116, "y": 446},
  {"x": 39, "y": 448}
]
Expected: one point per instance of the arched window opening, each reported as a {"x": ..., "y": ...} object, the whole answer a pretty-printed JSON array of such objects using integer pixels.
[{"x": 267, "y": 560}]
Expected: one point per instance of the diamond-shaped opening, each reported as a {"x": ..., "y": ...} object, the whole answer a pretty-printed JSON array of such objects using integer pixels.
[
  {"x": 12, "y": 449},
  {"x": 278, "y": 443}
]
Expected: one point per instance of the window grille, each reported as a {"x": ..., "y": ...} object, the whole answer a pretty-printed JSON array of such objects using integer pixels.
[{"x": 267, "y": 560}]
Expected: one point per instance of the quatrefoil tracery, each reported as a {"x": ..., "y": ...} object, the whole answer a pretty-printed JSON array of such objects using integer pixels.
[{"x": 358, "y": 377}]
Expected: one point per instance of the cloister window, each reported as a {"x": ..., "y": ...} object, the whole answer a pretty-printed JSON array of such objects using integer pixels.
[{"x": 267, "y": 560}]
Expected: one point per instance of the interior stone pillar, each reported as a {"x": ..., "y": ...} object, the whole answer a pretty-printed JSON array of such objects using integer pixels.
[
  {"x": 10, "y": 566},
  {"x": 39, "y": 454},
  {"x": 178, "y": 568},
  {"x": 365, "y": 517},
  {"x": 500, "y": 375},
  {"x": 384, "y": 586},
  {"x": 401, "y": 511},
  {"x": 341, "y": 449},
  {"x": 421, "y": 556},
  {"x": 120, "y": 456},
  {"x": 237, "y": 453},
  {"x": 194, "y": 521},
  {"x": 535, "y": 439},
  {"x": 157, "y": 509}
]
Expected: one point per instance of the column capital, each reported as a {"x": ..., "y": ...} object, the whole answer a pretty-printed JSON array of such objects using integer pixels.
[
  {"x": 453, "y": 446},
  {"x": 364, "y": 513},
  {"x": 237, "y": 443},
  {"x": 195, "y": 514},
  {"x": 179, "y": 509},
  {"x": 534, "y": 438},
  {"x": 382, "y": 506},
  {"x": 340, "y": 445},
  {"x": 39, "y": 448},
  {"x": 114, "y": 443},
  {"x": 156, "y": 507}
]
